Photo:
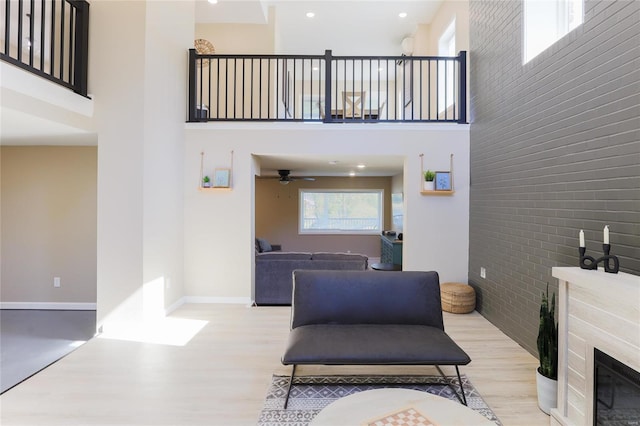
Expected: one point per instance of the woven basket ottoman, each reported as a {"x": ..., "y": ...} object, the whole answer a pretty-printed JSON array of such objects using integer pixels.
[{"x": 457, "y": 298}]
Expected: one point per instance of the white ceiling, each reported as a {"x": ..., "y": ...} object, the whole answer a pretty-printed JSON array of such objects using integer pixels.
[
  {"x": 331, "y": 165},
  {"x": 352, "y": 27},
  {"x": 20, "y": 128}
]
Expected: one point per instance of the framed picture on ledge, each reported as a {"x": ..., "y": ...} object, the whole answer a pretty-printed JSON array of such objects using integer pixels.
[
  {"x": 443, "y": 181},
  {"x": 222, "y": 178}
]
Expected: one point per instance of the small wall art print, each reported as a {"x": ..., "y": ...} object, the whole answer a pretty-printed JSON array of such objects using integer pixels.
[
  {"x": 222, "y": 178},
  {"x": 443, "y": 181}
]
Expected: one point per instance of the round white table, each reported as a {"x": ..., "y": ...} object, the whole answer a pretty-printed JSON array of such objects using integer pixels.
[{"x": 416, "y": 407}]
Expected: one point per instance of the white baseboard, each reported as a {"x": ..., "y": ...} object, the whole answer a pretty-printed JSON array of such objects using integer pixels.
[
  {"x": 174, "y": 306},
  {"x": 226, "y": 300},
  {"x": 49, "y": 306}
]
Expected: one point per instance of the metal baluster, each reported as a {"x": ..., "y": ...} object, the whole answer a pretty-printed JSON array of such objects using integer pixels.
[
  {"x": 71, "y": 40},
  {"x": 7, "y": 27},
  {"x": 20, "y": 13},
  {"x": 53, "y": 38},
  {"x": 62, "y": 12},
  {"x": 429, "y": 90},
  {"x": 31, "y": 23},
  {"x": 42, "y": 14},
  {"x": 209, "y": 68}
]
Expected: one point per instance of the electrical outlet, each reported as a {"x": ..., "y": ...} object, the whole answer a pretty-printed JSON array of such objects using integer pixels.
[
  {"x": 483, "y": 272},
  {"x": 56, "y": 281}
]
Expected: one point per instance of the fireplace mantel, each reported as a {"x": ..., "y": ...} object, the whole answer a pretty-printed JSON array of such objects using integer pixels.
[{"x": 595, "y": 310}]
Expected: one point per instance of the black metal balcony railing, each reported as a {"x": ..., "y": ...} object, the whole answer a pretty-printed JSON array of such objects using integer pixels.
[
  {"x": 49, "y": 38},
  {"x": 327, "y": 88}
]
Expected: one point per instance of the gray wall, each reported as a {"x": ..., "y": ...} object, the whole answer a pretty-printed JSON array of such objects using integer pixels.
[
  {"x": 554, "y": 149},
  {"x": 49, "y": 210}
]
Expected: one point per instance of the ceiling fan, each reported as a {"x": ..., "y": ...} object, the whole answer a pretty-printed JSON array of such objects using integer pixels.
[{"x": 285, "y": 177}]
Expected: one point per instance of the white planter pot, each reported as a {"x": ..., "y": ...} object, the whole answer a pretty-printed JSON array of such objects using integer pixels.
[
  {"x": 547, "y": 392},
  {"x": 429, "y": 186}
]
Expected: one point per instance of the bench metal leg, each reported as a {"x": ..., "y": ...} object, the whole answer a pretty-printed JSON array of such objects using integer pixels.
[
  {"x": 286, "y": 401},
  {"x": 462, "y": 399}
]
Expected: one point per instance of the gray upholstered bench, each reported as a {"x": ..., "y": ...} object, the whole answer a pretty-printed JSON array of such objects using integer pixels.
[{"x": 369, "y": 318}]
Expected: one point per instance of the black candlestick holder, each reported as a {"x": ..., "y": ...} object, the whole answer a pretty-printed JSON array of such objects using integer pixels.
[{"x": 611, "y": 263}]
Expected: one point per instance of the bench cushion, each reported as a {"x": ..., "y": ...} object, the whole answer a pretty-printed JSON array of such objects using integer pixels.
[
  {"x": 372, "y": 344},
  {"x": 366, "y": 297}
]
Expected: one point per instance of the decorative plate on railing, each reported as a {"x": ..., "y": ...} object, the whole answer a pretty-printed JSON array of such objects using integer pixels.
[{"x": 204, "y": 47}]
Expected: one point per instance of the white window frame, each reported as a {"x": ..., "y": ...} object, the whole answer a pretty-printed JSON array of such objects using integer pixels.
[
  {"x": 547, "y": 21},
  {"x": 446, "y": 47},
  {"x": 328, "y": 231}
]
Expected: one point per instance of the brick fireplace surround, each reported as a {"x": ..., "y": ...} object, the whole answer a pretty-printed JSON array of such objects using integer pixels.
[{"x": 595, "y": 310}]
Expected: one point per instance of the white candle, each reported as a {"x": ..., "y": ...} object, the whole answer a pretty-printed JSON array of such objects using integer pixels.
[
  {"x": 581, "y": 238},
  {"x": 606, "y": 234}
]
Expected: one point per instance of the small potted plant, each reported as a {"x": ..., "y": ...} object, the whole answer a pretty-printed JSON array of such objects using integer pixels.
[
  {"x": 547, "y": 373},
  {"x": 429, "y": 180},
  {"x": 206, "y": 182}
]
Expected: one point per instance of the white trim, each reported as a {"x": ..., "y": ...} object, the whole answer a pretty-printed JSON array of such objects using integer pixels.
[
  {"x": 225, "y": 300},
  {"x": 275, "y": 125},
  {"x": 174, "y": 306},
  {"x": 334, "y": 191},
  {"x": 49, "y": 306}
]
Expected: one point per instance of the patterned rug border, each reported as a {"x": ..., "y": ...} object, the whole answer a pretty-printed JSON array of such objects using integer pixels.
[{"x": 310, "y": 394}]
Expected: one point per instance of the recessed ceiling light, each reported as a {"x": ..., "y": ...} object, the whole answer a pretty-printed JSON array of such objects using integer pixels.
[
  {"x": 402, "y": 14},
  {"x": 361, "y": 166},
  {"x": 310, "y": 14},
  {"x": 213, "y": 1},
  {"x": 352, "y": 173}
]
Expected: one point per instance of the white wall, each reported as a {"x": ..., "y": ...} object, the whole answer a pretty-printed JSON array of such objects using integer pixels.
[
  {"x": 140, "y": 94},
  {"x": 169, "y": 34},
  {"x": 219, "y": 246},
  {"x": 115, "y": 80}
]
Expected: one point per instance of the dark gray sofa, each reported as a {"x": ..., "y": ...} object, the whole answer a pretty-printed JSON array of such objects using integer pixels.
[
  {"x": 274, "y": 279},
  {"x": 369, "y": 318}
]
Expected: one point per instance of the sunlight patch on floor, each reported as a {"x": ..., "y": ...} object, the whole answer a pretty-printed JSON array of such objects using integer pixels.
[{"x": 163, "y": 331}]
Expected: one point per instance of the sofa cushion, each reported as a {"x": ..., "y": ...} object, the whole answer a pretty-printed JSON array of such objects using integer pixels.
[
  {"x": 372, "y": 344},
  {"x": 366, "y": 297},
  {"x": 337, "y": 256},
  {"x": 284, "y": 255}
]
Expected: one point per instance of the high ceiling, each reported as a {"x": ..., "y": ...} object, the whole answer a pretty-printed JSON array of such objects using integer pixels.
[{"x": 362, "y": 27}]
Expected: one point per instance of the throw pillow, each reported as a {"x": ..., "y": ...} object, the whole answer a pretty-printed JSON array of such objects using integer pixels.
[{"x": 264, "y": 245}]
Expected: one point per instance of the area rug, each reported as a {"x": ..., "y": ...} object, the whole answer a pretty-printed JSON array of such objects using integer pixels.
[{"x": 310, "y": 394}]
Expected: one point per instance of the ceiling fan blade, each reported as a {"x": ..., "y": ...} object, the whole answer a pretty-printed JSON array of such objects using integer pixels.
[{"x": 284, "y": 176}]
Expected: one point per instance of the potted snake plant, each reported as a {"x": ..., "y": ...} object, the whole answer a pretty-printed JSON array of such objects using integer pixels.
[{"x": 547, "y": 372}]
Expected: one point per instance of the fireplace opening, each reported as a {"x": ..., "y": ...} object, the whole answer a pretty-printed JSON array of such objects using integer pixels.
[{"x": 616, "y": 392}]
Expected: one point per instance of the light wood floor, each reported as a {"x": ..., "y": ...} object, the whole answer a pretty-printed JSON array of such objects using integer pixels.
[{"x": 221, "y": 375}]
